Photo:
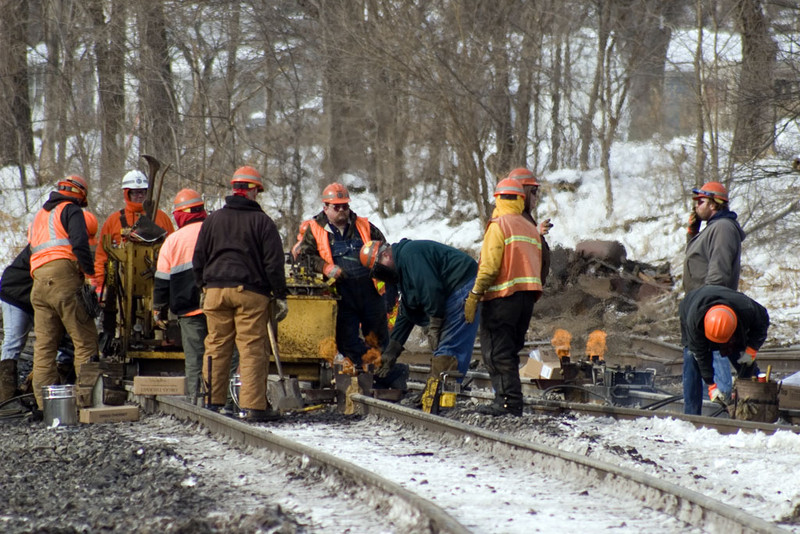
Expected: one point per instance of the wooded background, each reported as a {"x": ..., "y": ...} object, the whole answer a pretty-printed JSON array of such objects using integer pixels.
[{"x": 452, "y": 93}]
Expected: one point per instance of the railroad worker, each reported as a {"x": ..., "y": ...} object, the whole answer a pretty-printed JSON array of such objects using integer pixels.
[
  {"x": 238, "y": 261},
  {"x": 332, "y": 241},
  {"x": 60, "y": 259},
  {"x": 713, "y": 257},
  {"x": 175, "y": 286},
  {"x": 531, "y": 186},
  {"x": 507, "y": 286},
  {"x": 717, "y": 318},
  {"x": 434, "y": 280},
  {"x": 119, "y": 223}
]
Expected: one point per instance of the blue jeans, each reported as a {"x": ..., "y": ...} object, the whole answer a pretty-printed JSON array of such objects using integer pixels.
[
  {"x": 17, "y": 324},
  {"x": 458, "y": 336},
  {"x": 693, "y": 382}
]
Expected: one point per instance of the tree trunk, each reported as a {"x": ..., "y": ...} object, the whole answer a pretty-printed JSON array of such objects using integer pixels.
[
  {"x": 647, "y": 83},
  {"x": 754, "y": 131},
  {"x": 158, "y": 115},
  {"x": 109, "y": 49},
  {"x": 16, "y": 132},
  {"x": 700, "y": 132},
  {"x": 587, "y": 123},
  {"x": 555, "y": 114}
]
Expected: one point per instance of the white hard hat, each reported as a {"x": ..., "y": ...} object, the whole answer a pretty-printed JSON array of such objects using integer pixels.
[{"x": 134, "y": 179}]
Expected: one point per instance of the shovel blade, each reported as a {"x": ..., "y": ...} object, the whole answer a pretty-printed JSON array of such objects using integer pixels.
[{"x": 284, "y": 394}]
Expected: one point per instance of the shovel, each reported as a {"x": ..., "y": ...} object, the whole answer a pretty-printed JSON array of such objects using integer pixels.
[{"x": 285, "y": 393}]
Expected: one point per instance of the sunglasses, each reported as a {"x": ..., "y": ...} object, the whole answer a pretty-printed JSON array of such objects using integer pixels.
[{"x": 338, "y": 207}]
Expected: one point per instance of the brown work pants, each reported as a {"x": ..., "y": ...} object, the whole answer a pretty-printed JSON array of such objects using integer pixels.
[
  {"x": 237, "y": 315},
  {"x": 56, "y": 307}
]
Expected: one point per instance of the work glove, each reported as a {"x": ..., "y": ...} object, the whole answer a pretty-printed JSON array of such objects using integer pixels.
[
  {"x": 434, "y": 331},
  {"x": 544, "y": 227},
  {"x": 747, "y": 362},
  {"x": 333, "y": 271},
  {"x": 158, "y": 320},
  {"x": 280, "y": 309},
  {"x": 694, "y": 224},
  {"x": 716, "y": 395},
  {"x": 748, "y": 357},
  {"x": 388, "y": 358},
  {"x": 471, "y": 306}
]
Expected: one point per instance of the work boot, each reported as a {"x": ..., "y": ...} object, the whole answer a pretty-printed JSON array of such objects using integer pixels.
[
  {"x": 8, "y": 379},
  {"x": 500, "y": 407},
  {"x": 260, "y": 416}
]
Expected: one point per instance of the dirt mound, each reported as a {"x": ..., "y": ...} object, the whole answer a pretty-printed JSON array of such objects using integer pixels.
[{"x": 595, "y": 286}]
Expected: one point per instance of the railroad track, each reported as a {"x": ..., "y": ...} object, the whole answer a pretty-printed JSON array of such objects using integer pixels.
[
  {"x": 685, "y": 505},
  {"x": 430, "y": 517}
]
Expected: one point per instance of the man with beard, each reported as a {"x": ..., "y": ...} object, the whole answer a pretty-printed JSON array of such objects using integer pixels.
[{"x": 331, "y": 242}]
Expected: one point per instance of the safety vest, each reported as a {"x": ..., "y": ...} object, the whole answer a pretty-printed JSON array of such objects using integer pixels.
[
  {"x": 48, "y": 238},
  {"x": 324, "y": 244},
  {"x": 521, "y": 267},
  {"x": 300, "y": 233}
]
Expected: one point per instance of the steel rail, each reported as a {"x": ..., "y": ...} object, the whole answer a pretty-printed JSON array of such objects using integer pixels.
[
  {"x": 684, "y": 504},
  {"x": 432, "y": 518}
]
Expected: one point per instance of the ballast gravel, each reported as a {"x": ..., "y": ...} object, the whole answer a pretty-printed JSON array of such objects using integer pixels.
[{"x": 95, "y": 478}]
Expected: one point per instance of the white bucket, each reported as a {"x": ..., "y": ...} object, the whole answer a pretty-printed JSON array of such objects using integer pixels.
[{"x": 60, "y": 405}]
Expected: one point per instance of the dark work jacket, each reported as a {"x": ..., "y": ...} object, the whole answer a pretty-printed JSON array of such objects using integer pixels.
[
  {"x": 239, "y": 245},
  {"x": 751, "y": 328},
  {"x": 16, "y": 283},
  {"x": 429, "y": 273}
]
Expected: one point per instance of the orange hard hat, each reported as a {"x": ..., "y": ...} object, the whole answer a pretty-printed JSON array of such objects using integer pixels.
[
  {"x": 91, "y": 226},
  {"x": 335, "y": 193},
  {"x": 370, "y": 253},
  {"x": 73, "y": 186},
  {"x": 186, "y": 199},
  {"x": 713, "y": 190},
  {"x": 524, "y": 176},
  {"x": 720, "y": 323},
  {"x": 509, "y": 186},
  {"x": 247, "y": 178}
]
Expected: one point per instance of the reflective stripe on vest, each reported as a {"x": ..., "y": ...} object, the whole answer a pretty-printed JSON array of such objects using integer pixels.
[
  {"x": 324, "y": 244},
  {"x": 48, "y": 238},
  {"x": 521, "y": 267}
]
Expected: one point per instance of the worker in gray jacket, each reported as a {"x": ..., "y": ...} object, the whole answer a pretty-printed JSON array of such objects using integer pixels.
[{"x": 713, "y": 257}]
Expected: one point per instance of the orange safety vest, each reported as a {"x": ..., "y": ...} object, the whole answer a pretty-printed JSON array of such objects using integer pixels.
[
  {"x": 48, "y": 238},
  {"x": 521, "y": 267},
  {"x": 300, "y": 233},
  {"x": 324, "y": 244}
]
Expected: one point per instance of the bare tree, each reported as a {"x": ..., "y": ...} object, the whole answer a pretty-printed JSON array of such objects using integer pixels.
[
  {"x": 16, "y": 132},
  {"x": 755, "y": 130},
  {"x": 109, "y": 51},
  {"x": 157, "y": 111}
]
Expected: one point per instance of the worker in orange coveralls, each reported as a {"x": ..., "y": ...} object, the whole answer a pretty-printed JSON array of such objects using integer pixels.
[
  {"x": 134, "y": 190},
  {"x": 507, "y": 286}
]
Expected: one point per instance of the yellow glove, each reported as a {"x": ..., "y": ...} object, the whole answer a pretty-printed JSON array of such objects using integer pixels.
[{"x": 471, "y": 306}]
